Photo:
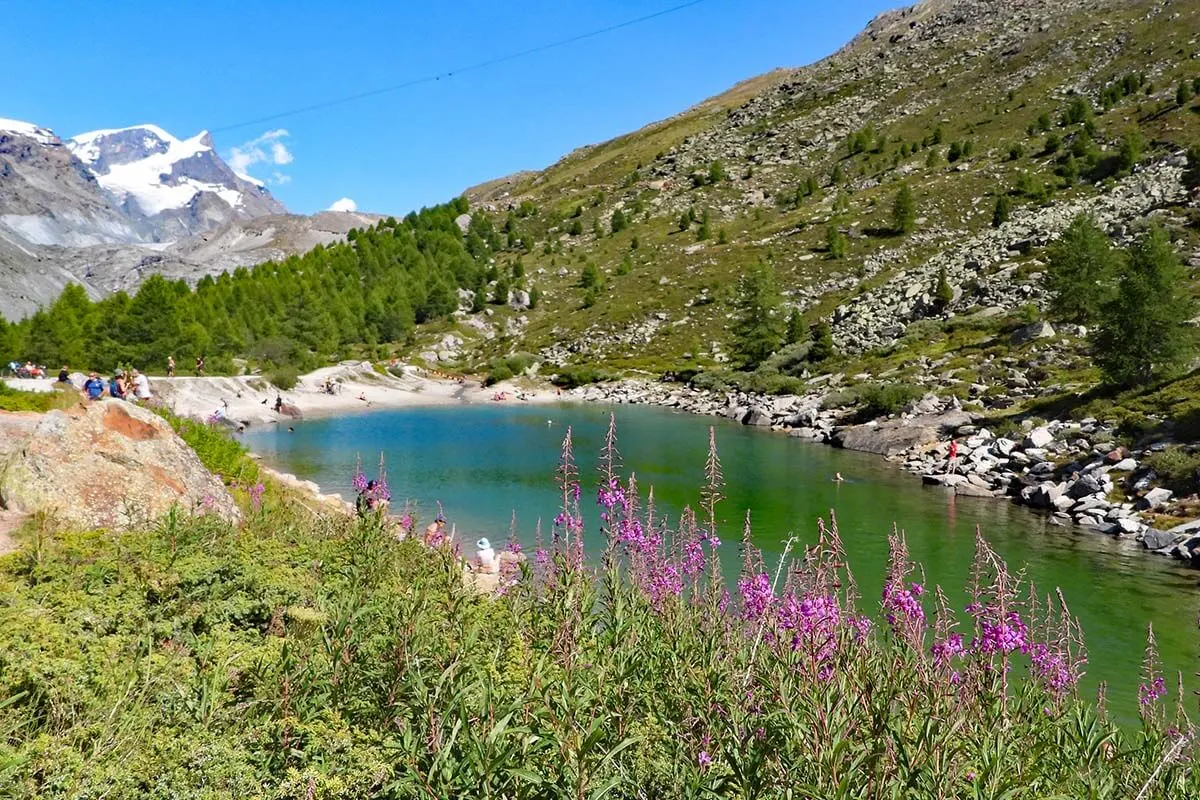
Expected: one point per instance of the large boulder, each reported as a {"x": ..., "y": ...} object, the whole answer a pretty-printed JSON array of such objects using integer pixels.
[
  {"x": 895, "y": 436},
  {"x": 108, "y": 464}
]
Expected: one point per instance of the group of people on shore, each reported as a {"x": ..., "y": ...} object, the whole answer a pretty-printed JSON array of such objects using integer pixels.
[
  {"x": 27, "y": 370},
  {"x": 132, "y": 385}
]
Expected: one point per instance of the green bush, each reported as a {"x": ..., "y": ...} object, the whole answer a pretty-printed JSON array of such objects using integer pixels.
[
  {"x": 716, "y": 381},
  {"x": 883, "y": 399},
  {"x": 571, "y": 377},
  {"x": 17, "y": 400},
  {"x": 284, "y": 378},
  {"x": 1178, "y": 468},
  {"x": 839, "y": 398}
]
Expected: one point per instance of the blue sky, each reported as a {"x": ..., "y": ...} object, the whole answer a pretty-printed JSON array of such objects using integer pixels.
[{"x": 189, "y": 66}]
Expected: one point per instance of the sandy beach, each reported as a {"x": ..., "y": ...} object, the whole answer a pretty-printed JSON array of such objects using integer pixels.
[{"x": 359, "y": 386}]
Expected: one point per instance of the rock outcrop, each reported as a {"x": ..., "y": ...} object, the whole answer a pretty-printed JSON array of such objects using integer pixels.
[{"x": 106, "y": 464}]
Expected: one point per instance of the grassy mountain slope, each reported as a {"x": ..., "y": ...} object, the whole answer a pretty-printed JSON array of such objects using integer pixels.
[{"x": 991, "y": 85}]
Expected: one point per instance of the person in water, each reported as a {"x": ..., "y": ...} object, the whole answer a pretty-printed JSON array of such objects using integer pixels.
[{"x": 837, "y": 477}]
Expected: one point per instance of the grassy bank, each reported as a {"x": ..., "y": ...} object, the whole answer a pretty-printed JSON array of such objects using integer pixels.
[{"x": 302, "y": 656}]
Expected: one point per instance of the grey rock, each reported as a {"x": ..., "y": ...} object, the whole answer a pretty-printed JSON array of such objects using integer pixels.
[
  {"x": 1155, "y": 498},
  {"x": 1157, "y": 540},
  {"x": 1038, "y": 438},
  {"x": 1038, "y": 330}
]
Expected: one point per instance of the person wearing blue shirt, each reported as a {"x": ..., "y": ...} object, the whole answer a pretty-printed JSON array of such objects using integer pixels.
[{"x": 94, "y": 387}]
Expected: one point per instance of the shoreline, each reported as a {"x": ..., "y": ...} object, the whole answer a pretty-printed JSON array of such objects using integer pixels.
[{"x": 1023, "y": 472}]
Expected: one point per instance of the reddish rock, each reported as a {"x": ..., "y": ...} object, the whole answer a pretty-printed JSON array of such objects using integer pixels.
[{"x": 104, "y": 464}]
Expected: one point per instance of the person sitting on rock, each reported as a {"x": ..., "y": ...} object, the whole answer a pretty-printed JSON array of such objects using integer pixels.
[
  {"x": 64, "y": 375},
  {"x": 141, "y": 387},
  {"x": 93, "y": 387},
  {"x": 116, "y": 386}
]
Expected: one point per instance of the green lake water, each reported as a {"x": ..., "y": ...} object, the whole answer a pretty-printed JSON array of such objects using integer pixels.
[{"x": 486, "y": 463}]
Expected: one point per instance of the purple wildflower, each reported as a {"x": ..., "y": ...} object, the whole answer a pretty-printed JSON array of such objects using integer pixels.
[
  {"x": 757, "y": 595},
  {"x": 256, "y": 495}
]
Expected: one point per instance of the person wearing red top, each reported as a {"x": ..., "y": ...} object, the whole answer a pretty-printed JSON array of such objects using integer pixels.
[{"x": 952, "y": 457}]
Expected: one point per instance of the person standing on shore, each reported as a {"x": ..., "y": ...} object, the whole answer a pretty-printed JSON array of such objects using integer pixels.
[
  {"x": 952, "y": 457},
  {"x": 170, "y": 366},
  {"x": 200, "y": 366}
]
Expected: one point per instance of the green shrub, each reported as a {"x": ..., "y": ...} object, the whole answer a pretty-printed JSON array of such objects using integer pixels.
[
  {"x": 716, "y": 381},
  {"x": 571, "y": 377},
  {"x": 1177, "y": 467},
  {"x": 284, "y": 378},
  {"x": 840, "y": 398},
  {"x": 18, "y": 400},
  {"x": 883, "y": 399}
]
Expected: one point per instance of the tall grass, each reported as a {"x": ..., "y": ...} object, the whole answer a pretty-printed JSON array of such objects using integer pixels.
[{"x": 303, "y": 657}]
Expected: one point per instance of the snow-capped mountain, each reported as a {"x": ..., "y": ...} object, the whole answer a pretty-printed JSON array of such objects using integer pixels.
[
  {"x": 180, "y": 187},
  {"x": 48, "y": 197},
  {"x": 108, "y": 208}
]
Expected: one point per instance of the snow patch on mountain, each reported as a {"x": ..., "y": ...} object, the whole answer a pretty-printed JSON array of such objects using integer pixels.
[
  {"x": 37, "y": 133},
  {"x": 140, "y": 164}
]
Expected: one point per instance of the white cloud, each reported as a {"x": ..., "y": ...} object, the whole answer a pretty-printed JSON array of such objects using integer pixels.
[
  {"x": 345, "y": 204},
  {"x": 266, "y": 149}
]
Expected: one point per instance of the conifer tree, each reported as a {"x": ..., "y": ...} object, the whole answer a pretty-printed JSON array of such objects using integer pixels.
[
  {"x": 1002, "y": 211},
  {"x": 835, "y": 242},
  {"x": 904, "y": 211},
  {"x": 822, "y": 342},
  {"x": 757, "y": 326},
  {"x": 795, "y": 327},
  {"x": 619, "y": 222},
  {"x": 1142, "y": 335},
  {"x": 943, "y": 292},
  {"x": 1079, "y": 272}
]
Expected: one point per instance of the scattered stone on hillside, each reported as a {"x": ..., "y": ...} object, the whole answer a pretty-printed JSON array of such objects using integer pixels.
[
  {"x": 518, "y": 300},
  {"x": 109, "y": 464},
  {"x": 1155, "y": 498},
  {"x": 1038, "y": 330}
]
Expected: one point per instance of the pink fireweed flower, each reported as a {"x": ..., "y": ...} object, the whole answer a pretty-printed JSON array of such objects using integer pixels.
[
  {"x": 693, "y": 558},
  {"x": 757, "y": 595},
  {"x": 1148, "y": 693},
  {"x": 256, "y": 495},
  {"x": 861, "y": 625},
  {"x": 813, "y": 621},
  {"x": 1053, "y": 670},
  {"x": 1005, "y": 636},
  {"x": 902, "y": 604},
  {"x": 947, "y": 649},
  {"x": 664, "y": 581}
]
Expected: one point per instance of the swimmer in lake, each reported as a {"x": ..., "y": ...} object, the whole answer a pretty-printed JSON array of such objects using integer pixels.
[{"x": 837, "y": 477}]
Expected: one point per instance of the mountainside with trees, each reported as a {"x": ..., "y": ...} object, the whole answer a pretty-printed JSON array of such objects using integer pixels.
[{"x": 915, "y": 201}]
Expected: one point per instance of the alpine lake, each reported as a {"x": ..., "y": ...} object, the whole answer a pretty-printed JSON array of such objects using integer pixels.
[{"x": 490, "y": 467}]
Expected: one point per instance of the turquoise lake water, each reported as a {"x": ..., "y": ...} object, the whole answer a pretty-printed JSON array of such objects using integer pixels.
[{"x": 484, "y": 464}]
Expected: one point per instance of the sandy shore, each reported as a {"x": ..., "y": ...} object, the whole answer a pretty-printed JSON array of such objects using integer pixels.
[{"x": 250, "y": 399}]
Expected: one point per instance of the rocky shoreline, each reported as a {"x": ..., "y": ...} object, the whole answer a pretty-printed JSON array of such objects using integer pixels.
[{"x": 1073, "y": 471}]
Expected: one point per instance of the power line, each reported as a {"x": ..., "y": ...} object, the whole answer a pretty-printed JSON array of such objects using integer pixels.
[{"x": 491, "y": 62}]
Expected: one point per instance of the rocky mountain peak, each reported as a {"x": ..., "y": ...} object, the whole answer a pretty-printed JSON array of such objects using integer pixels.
[{"x": 179, "y": 186}]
